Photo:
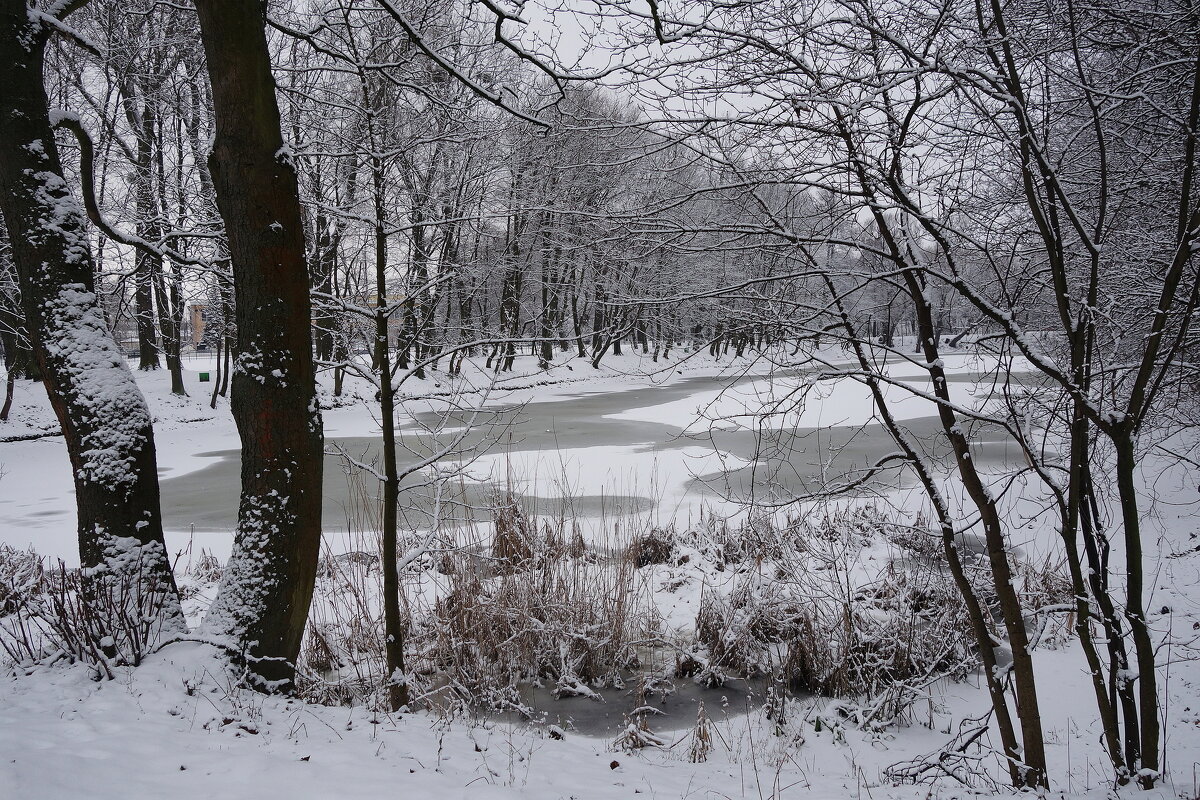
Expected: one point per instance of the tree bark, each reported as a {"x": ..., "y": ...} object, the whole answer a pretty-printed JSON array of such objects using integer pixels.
[
  {"x": 1135, "y": 611},
  {"x": 393, "y": 627},
  {"x": 141, "y": 120},
  {"x": 103, "y": 415},
  {"x": 1033, "y": 767},
  {"x": 264, "y": 598}
]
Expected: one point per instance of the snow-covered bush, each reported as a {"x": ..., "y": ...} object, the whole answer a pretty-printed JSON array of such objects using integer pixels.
[
  {"x": 342, "y": 659},
  {"x": 531, "y": 604},
  {"x": 655, "y": 546},
  {"x": 560, "y": 615},
  {"x": 22, "y": 574},
  {"x": 848, "y": 605},
  {"x": 54, "y": 614}
]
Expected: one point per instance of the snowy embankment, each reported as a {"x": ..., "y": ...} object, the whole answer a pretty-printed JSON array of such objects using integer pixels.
[{"x": 178, "y": 727}]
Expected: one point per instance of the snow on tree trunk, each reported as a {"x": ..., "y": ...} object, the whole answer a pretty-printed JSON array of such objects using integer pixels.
[
  {"x": 104, "y": 418},
  {"x": 263, "y": 601}
]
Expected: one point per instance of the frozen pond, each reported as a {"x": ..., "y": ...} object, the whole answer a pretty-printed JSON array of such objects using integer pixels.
[
  {"x": 663, "y": 449},
  {"x": 674, "y": 711}
]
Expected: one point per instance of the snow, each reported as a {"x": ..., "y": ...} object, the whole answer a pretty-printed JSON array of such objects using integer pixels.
[
  {"x": 37, "y": 497},
  {"x": 178, "y": 727},
  {"x": 36, "y": 489},
  {"x": 36, "y": 503},
  {"x": 798, "y": 401},
  {"x": 221, "y": 742}
]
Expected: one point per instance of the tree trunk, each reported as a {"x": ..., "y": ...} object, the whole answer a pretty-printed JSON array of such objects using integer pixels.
[
  {"x": 393, "y": 628},
  {"x": 264, "y": 598},
  {"x": 1135, "y": 611},
  {"x": 577, "y": 315},
  {"x": 8, "y": 342},
  {"x": 1076, "y": 521},
  {"x": 168, "y": 292},
  {"x": 148, "y": 226},
  {"x": 104, "y": 418},
  {"x": 327, "y": 233},
  {"x": 416, "y": 305},
  {"x": 212, "y": 401},
  {"x": 984, "y": 640},
  {"x": 510, "y": 311},
  {"x": 1033, "y": 754},
  {"x": 11, "y": 323},
  {"x": 169, "y": 308},
  {"x": 10, "y": 385},
  {"x": 549, "y": 294}
]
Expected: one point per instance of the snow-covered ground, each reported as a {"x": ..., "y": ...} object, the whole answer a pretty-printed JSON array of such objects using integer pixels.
[{"x": 177, "y": 727}]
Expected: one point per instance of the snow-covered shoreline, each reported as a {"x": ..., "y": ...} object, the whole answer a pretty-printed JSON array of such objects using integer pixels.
[{"x": 189, "y": 732}]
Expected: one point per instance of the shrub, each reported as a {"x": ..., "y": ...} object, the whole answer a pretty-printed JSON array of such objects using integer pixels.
[
  {"x": 60, "y": 614},
  {"x": 655, "y": 546}
]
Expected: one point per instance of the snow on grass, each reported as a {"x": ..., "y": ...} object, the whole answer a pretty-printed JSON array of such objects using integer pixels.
[
  {"x": 178, "y": 728},
  {"x": 175, "y": 728}
]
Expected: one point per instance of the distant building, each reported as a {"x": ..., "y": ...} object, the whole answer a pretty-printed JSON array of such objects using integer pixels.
[{"x": 197, "y": 322}]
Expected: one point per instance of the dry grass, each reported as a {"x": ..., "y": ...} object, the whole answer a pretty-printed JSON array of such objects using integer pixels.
[
  {"x": 807, "y": 609},
  {"x": 542, "y": 609},
  {"x": 526, "y": 602},
  {"x": 847, "y": 605}
]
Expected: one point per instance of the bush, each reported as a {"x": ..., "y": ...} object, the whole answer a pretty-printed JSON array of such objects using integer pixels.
[
  {"x": 839, "y": 607},
  {"x": 50, "y": 615},
  {"x": 655, "y": 546},
  {"x": 572, "y": 622}
]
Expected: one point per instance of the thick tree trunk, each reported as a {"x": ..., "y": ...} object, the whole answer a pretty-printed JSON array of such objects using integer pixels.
[
  {"x": 599, "y": 322},
  {"x": 168, "y": 283},
  {"x": 169, "y": 309},
  {"x": 264, "y": 598},
  {"x": 104, "y": 418},
  {"x": 577, "y": 314},
  {"x": 212, "y": 401},
  {"x": 10, "y": 385},
  {"x": 513, "y": 283},
  {"x": 510, "y": 312},
  {"x": 144, "y": 308},
  {"x": 419, "y": 308},
  {"x": 550, "y": 279}
]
